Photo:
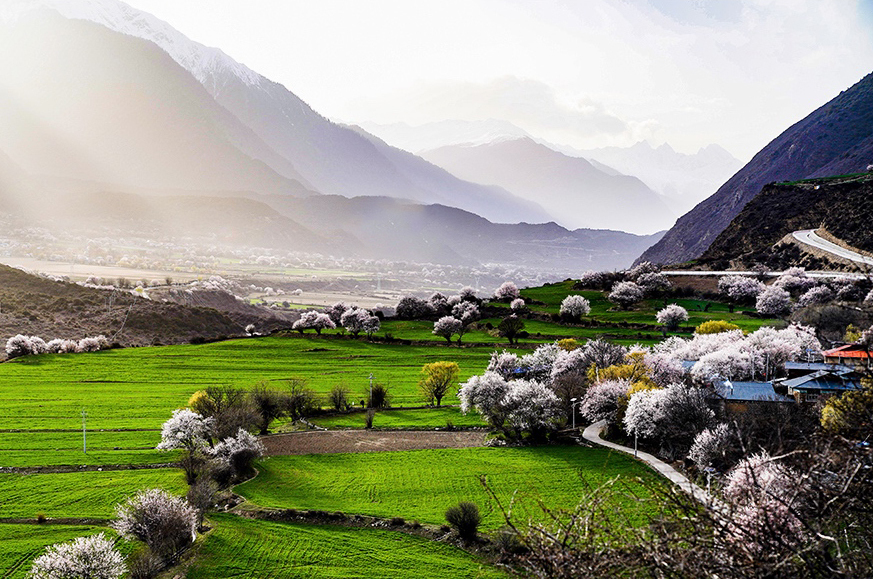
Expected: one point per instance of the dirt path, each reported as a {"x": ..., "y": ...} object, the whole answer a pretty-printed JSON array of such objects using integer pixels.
[{"x": 333, "y": 441}]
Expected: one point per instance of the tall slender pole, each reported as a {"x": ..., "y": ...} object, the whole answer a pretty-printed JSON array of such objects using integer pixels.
[
  {"x": 84, "y": 433},
  {"x": 370, "y": 401}
]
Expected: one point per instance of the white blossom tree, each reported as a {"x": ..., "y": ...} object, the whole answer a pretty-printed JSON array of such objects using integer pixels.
[
  {"x": 773, "y": 301},
  {"x": 575, "y": 306},
  {"x": 185, "y": 429},
  {"x": 447, "y": 326},
  {"x": 93, "y": 557},
  {"x": 740, "y": 288},
  {"x": 625, "y": 294},
  {"x": 486, "y": 394},
  {"x": 467, "y": 312},
  {"x": 167, "y": 524},
  {"x": 517, "y": 306},
  {"x": 18, "y": 345},
  {"x": 672, "y": 316},
  {"x": 817, "y": 295},
  {"x": 653, "y": 282},
  {"x": 601, "y": 401},
  {"x": 795, "y": 280},
  {"x": 357, "y": 320},
  {"x": 712, "y": 446},
  {"x": 238, "y": 452}
]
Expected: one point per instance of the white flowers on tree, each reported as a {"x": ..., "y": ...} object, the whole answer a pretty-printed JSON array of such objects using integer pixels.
[
  {"x": 711, "y": 446},
  {"x": 674, "y": 415},
  {"x": 575, "y": 306},
  {"x": 466, "y": 311},
  {"x": 773, "y": 301},
  {"x": 517, "y": 305},
  {"x": 447, "y": 326},
  {"x": 22, "y": 345},
  {"x": 357, "y": 320},
  {"x": 795, "y": 280},
  {"x": 314, "y": 320},
  {"x": 165, "y": 523},
  {"x": 93, "y": 557},
  {"x": 671, "y": 316},
  {"x": 507, "y": 291},
  {"x": 239, "y": 451},
  {"x": 740, "y": 288},
  {"x": 185, "y": 429},
  {"x": 818, "y": 295},
  {"x": 517, "y": 405},
  {"x": 601, "y": 401},
  {"x": 625, "y": 294}
]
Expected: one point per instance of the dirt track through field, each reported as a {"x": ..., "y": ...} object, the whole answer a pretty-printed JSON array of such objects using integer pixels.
[{"x": 333, "y": 441}]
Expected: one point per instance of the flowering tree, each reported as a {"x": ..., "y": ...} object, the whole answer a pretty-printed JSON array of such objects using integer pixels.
[
  {"x": 574, "y": 307},
  {"x": 817, "y": 295},
  {"x": 517, "y": 306},
  {"x": 714, "y": 447},
  {"x": 601, "y": 401},
  {"x": 185, "y": 429},
  {"x": 507, "y": 291},
  {"x": 447, "y": 326},
  {"x": 440, "y": 304},
  {"x": 641, "y": 268},
  {"x": 93, "y": 557},
  {"x": 238, "y": 452},
  {"x": 625, "y": 294},
  {"x": 336, "y": 312},
  {"x": 795, "y": 280},
  {"x": 740, "y": 288},
  {"x": 773, "y": 301},
  {"x": 673, "y": 415},
  {"x": 485, "y": 393},
  {"x": 652, "y": 283},
  {"x": 165, "y": 523},
  {"x": 591, "y": 279},
  {"x": 467, "y": 312},
  {"x": 370, "y": 324},
  {"x": 357, "y": 320},
  {"x": 514, "y": 407},
  {"x": 19, "y": 345},
  {"x": 671, "y": 316},
  {"x": 468, "y": 294}
]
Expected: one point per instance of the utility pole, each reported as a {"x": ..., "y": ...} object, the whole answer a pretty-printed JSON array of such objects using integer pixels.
[
  {"x": 84, "y": 433},
  {"x": 370, "y": 401}
]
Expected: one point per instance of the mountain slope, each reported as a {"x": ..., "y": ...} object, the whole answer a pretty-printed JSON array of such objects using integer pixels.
[
  {"x": 80, "y": 101},
  {"x": 333, "y": 158},
  {"x": 842, "y": 207},
  {"x": 567, "y": 186},
  {"x": 835, "y": 139},
  {"x": 420, "y": 138}
]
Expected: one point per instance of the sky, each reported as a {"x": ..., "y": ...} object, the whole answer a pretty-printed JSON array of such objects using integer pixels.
[{"x": 583, "y": 73}]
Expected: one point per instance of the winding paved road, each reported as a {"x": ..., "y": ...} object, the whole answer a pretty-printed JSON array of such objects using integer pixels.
[
  {"x": 592, "y": 434},
  {"x": 811, "y": 238}
]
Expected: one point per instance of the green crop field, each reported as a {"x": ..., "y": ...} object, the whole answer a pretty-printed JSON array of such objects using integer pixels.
[
  {"x": 422, "y": 484},
  {"x": 249, "y": 548},
  {"x": 409, "y": 419},
  {"x": 20, "y": 544},
  {"x": 89, "y": 494}
]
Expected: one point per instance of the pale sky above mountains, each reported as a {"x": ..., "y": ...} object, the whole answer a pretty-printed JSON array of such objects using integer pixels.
[{"x": 587, "y": 74}]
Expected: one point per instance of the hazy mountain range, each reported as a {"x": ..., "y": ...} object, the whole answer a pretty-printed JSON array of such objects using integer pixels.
[
  {"x": 682, "y": 179},
  {"x": 112, "y": 119},
  {"x": 835, "y": 139},
  {"x": 571, "y": 187}
]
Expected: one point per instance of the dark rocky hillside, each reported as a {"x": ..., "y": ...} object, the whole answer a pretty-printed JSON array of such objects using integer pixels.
[
  {"x": 50, "y": 309},
  {"x": 835, "y": 139},
  {"x": 842, "y": 206}
]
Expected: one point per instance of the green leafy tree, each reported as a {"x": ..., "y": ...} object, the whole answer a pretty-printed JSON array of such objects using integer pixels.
[{"x": 437, "y": 379}]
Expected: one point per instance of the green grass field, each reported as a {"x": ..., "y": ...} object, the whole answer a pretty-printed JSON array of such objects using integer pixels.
[
  {"x": 138, "y": 388},
  {"x": 246, "y": 548},
  {"x": 21, "y": 544},
  {"x": 427, "y": 418},
  {"x": 89, "y": 494},
  {"x": 423, "y": 484}
]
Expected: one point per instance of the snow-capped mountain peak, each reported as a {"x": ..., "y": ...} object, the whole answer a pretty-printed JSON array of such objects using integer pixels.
[{"x": 201, "y": 61}]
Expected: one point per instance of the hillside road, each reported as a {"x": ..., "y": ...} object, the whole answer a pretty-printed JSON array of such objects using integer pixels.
[{"x": 809, "y": 237}]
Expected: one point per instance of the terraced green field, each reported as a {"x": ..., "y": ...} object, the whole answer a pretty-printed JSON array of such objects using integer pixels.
[
  {"x": 245, "y": 548},
  {"x": 422, "y": 484},
  {"x": 89, "y": 494},
  {"x": 20, "y": 544},
  {"x": 428, "y": 418}
]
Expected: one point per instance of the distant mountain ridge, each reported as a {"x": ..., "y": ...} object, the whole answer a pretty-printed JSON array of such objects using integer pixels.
[
  {"x": 583, "y": 195},
  {"x": 835, "y": 139},
  {"x": 329, "y": 158}
]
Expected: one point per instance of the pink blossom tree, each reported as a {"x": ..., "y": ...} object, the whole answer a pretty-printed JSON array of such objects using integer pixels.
[
  {"x": 602, "y": 400},
  {"x": 773, "y": 301},
  {"x": 167, "y": 524},
  {"x": 186, "y": 430},
  {"x": 447, "y": 326}
]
